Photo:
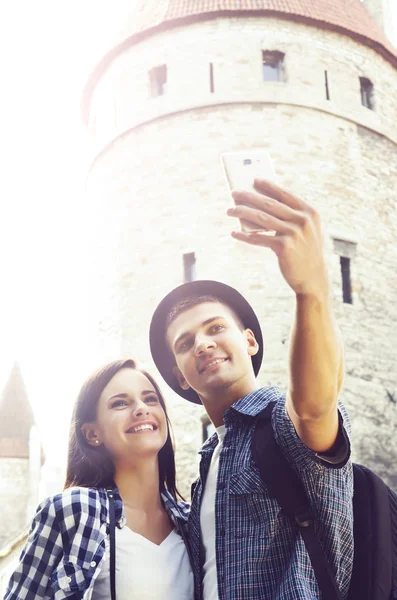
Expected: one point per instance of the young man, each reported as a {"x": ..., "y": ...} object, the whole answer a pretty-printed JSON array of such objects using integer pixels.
[{"x": 207, "y": 344}]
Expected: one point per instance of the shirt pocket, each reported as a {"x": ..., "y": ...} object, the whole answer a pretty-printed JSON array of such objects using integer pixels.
[
  {"x": 246, "y": 481},
  {"x": 248, "y": 505}
]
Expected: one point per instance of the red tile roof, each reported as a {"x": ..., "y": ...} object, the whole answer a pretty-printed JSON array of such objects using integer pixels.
[{"x": 349, "y": 17}]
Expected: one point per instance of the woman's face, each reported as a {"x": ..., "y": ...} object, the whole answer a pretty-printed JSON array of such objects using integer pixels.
[{"x": 131, "y": 422}]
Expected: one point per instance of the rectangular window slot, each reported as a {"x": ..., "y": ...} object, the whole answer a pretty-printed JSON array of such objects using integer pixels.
[
  {"x": 158, "y": 80},
  {"x": 346, "y": 280},
  {"x": 273, "y": 65},
  {"x": 212, "y": 86},
  {"x": 326, "y": 86},
  {"x": 189, "y": 267},
  {"x": 367, "y": 93}
]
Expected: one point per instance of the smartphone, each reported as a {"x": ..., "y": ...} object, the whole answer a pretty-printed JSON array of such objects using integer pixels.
[{"x": 241, "y": 168}]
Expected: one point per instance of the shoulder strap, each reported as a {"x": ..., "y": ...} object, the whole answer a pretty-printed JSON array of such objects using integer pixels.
[
  {"x": 285, "y": 486},
  {"x": 112, "y": 536}
]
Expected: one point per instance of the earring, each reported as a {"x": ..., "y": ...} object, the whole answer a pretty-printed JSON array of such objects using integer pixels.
[{"x": 97, "y": 441}]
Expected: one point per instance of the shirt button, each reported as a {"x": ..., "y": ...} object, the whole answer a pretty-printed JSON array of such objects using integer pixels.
[
  {"x": 68, "y": 579},
  {"x": 93, "y": 564}
]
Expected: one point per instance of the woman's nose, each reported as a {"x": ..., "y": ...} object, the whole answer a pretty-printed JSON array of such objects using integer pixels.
[{"x": 141, "y": 409}]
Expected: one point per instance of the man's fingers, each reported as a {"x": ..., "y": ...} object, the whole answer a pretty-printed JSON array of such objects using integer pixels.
[
  {"x": 267, "y": 204},
  {"x": 258, "y": 239},
  {"x": 265, "y": 186},
  {"x": 261, "y": 219}
]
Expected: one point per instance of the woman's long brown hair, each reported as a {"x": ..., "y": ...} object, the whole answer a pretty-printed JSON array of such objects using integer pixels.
[{"x": 89, "y": 466}]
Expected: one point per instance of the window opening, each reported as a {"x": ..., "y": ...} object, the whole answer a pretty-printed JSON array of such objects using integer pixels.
[
  {"x": 212, "y": 85},
  {"x": 326, "y": 86},
  {"x": 272, "y": 65},
  {"x": 346, "y": 280},
  {"x": 367, "y": 93},
  {"x": 158, "y": 80},
  {"x": 189, "y": 267}
]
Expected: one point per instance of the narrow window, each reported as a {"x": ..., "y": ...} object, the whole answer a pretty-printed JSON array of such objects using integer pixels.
[
  {"x": 158, "y": 80},
  {"x": 189, "y": 267},
  {"x": 347, "y": 251},
  {"x": 208, "y": 429},
  {"x": 212, "y": 87},
  {"x": 272, "y": 65},
  {"x": 326, "y": 86},
  {"x": 346, "y": 280},
  {"x": 367, "y": 93}
]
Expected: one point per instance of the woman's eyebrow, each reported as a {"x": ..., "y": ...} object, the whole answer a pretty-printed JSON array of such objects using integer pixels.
[{"x": 123, "y": 395}]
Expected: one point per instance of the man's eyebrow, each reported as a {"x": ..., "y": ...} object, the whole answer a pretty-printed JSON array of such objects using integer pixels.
[{"x": 186, "y": 334}]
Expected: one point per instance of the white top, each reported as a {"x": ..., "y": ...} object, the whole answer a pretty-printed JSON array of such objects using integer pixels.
[
  {"x": 147, "y": 571},
  {"x": 207, "y": 523}
]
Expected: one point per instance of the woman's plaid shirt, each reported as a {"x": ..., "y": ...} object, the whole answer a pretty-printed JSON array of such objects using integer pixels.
[
  {"x": 259, "y": 552},
  {"x": 66, "y": 544}
]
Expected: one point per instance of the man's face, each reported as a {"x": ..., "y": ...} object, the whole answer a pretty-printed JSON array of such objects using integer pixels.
[{"x": 212, "y": 352}]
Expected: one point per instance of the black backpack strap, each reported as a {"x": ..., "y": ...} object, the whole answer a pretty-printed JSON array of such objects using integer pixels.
[
  {"x": 285, "y": 486},
  {"x": 112, "y": 539}
]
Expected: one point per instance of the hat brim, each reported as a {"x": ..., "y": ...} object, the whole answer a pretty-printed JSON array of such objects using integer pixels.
[{"x": 159, "y": 348}]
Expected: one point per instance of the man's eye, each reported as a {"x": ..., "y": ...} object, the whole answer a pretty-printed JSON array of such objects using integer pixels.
[
  {"x": 216, "y": 328},
  {"x": 118, "y": 403},
  {"x": 184, "y": 346}
]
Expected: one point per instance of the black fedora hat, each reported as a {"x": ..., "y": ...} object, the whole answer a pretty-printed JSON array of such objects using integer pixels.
[{"x": 162, "y": 354}]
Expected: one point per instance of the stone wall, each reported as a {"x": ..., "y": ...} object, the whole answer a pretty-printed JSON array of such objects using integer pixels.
[
  {"x": 156, "y": 190},
  {"x": 14, "y": 498}
]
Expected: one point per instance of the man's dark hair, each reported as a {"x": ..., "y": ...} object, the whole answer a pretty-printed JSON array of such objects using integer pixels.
[{"x": 191, "y": 301}]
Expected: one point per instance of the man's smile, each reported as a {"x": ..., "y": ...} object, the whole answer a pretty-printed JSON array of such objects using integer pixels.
[{"x": 211, "y": 363}]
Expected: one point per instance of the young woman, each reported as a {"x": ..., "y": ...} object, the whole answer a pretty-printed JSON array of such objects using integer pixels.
[{"x": 120, "y": 467}]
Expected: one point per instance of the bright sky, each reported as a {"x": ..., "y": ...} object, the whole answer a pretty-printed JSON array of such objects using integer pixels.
[{"x": 49, "y": 48}]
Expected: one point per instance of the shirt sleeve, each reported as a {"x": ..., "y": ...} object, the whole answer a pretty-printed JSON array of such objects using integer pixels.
[
  {"x": 41, "y": 553},
  {"x": 299, "y": 454}
]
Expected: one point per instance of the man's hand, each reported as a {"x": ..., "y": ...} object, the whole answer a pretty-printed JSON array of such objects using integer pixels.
[
  {"x": 316, "y": 351},
  {"x": 298, "y": 239}
]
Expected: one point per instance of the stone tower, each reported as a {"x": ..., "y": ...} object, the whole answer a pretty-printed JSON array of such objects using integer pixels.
[
  {"x": 21, "y": 458},
  {"x": 313, "y": 82}
]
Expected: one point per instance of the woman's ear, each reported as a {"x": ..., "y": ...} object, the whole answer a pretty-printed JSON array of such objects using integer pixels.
[
  {"x": 252, "y": 344},
  {"x": 90, "y": 433},
  {"x": 181, "y": 380}
]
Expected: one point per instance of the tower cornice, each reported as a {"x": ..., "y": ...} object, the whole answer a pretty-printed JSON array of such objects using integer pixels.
[{"x": 363, "y": 30}]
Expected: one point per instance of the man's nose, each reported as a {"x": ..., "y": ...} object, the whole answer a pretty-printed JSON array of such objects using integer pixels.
[{"x": 204, "y": 344}]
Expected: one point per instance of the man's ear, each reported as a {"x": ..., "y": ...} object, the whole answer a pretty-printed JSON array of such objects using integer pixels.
[
  {"x": 181, "y": 380},
  {"x": 90, "y": 433},
  {"x": 252, "y": 344}
]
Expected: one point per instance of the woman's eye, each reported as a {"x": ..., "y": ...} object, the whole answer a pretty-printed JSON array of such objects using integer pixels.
[
  {"x": 118, "y": 403},
  {"x": 152, "y": 399}
]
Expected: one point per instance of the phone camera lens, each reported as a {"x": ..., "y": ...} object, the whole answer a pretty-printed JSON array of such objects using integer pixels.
[{"x": 247, "y": 161}]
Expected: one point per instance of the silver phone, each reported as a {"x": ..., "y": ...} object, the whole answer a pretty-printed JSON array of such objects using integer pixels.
[{"x": 241, "y": 168}]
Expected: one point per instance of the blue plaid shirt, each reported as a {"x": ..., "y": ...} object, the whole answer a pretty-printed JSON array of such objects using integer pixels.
[
  {"x": 66, "y": 545},
  {"x": 259, "y": 552}
]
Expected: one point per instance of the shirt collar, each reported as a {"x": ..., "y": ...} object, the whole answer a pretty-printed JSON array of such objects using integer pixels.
[{"x": 250, "y": 405}]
